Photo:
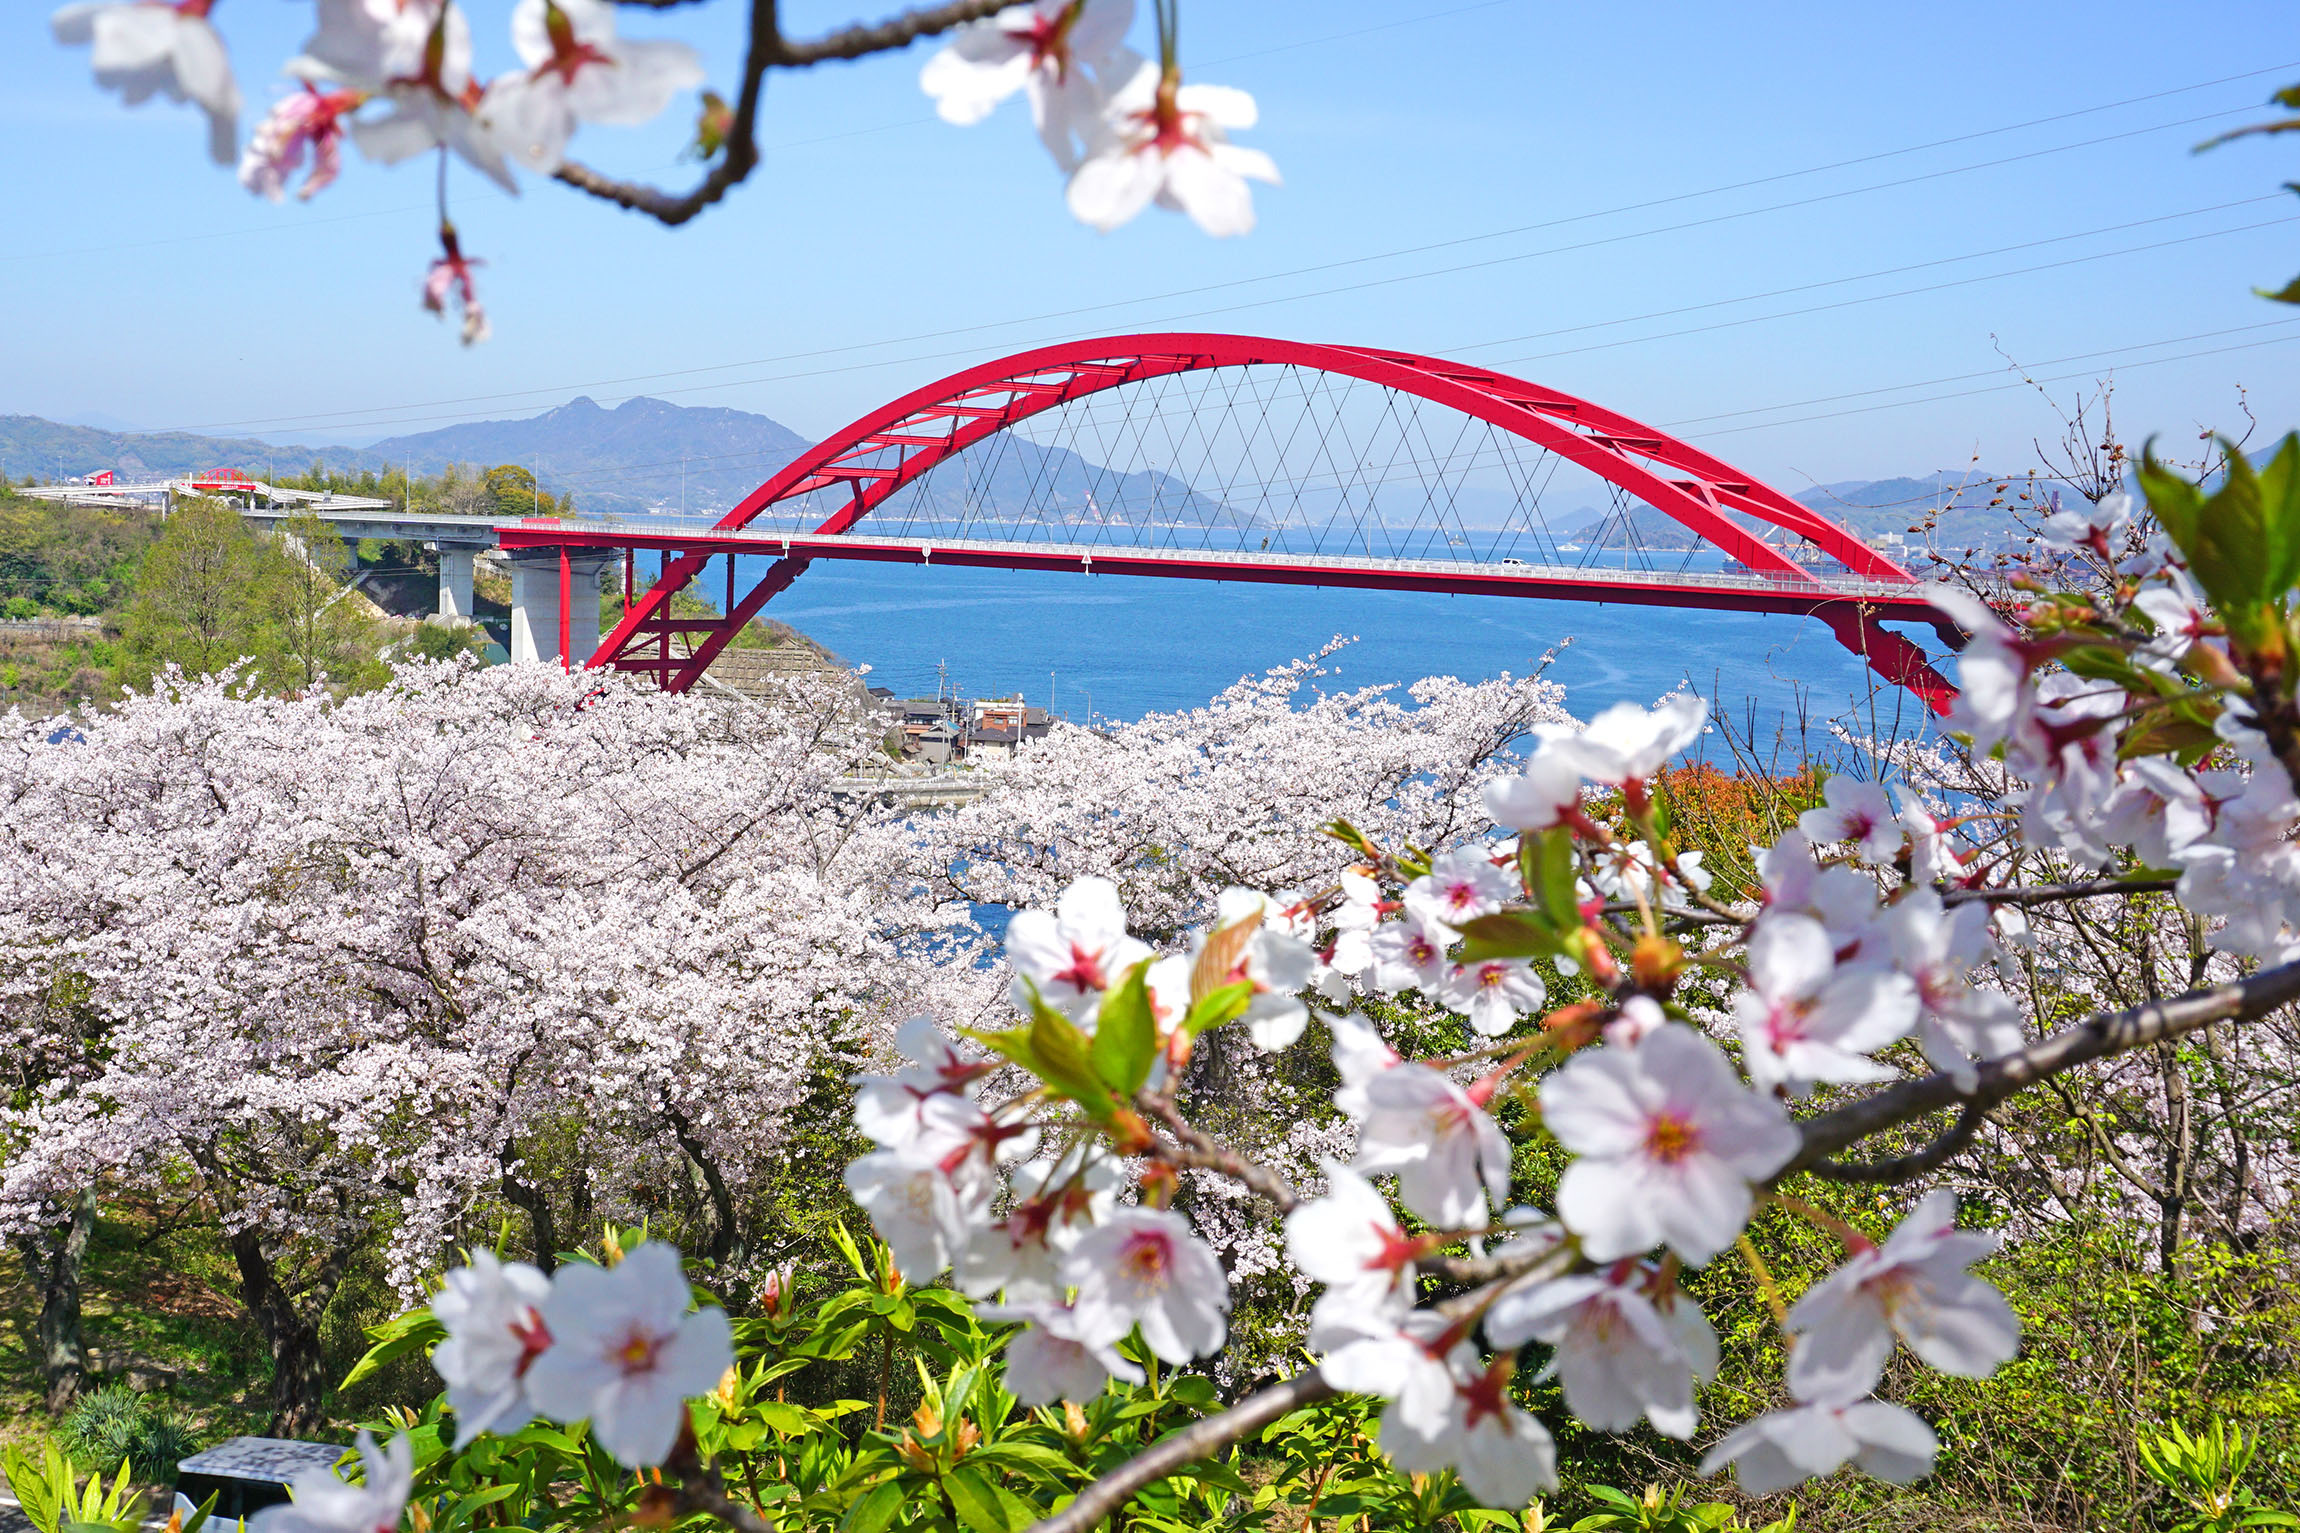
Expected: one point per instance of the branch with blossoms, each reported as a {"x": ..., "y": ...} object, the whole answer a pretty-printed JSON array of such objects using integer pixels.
[{"x": 398, "y": 79}]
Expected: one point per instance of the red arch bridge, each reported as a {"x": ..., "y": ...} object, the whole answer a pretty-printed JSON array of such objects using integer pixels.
[{"x": 1234, "y": 458}]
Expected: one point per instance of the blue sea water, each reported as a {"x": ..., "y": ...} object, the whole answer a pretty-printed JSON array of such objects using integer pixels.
[{"x": 1122, "y": 646}]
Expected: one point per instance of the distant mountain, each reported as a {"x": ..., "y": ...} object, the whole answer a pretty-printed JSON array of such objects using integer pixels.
[
  {"x": 30, "y": 445},
  {"x": 645, "y": 454}
]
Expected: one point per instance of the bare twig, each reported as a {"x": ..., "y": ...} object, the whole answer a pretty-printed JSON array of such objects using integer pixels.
[
  {"x": 1202, "y": 1150},
  {"x": 2047, "y": 894},
  {"x": 1201, "y": 1439},
  {"x": 768, "y": 49},
  {"x": 1901, "y": 1168}
]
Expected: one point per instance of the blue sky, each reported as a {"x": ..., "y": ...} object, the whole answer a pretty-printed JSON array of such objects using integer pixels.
[{"x": 1511, "y": 142}]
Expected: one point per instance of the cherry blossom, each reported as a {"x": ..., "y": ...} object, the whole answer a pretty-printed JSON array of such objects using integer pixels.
[
  {"x": 415, "y": 55},
  {"x": 913, "y": 1206},
  {"x": 450, "y": 279},
  {"x": 1503, "y": 1455},
  {"x": 1410, "y": 955},
  {"x": 1050, "y": 1360},
  {"x": 1359, "y": 1054},
  {"x": 1622, "y": 1351},
  {"x": 1350, "y": 1241},
  {"x": 1063, "y": 52},
  {"x": 1627, "y": 743},
  {"x": 1937, "y": 946},
  {"x": 495, "y": 1331},
  {"x": 310, "y": 118},
  {"x": 1054, "y": 1203},
  {"x": 1667, "y": 1142},
  {"x": 890, "y": 1109},
  {"x": 1277, "y": 963},
  {"x": 1805, "y": 1019},
  {"x": 325, "y": 1504},
  {"x": 2091, "y": 525},
  {"x": 625, "y": 1353},
  {"x": 1162, "y": 141},
  {"x": 578, "y": 70},
  {"x": 1459, "y": 887},
  {"x": 1147, "y": 1266},
  {"x": 1355, "y": 920},
  {"x": 1494, "y": 994},
  {"x": 1074, "y": 952},
  {"x": 1857, "y": 812},
  {"x": 1790, "y": 1447},
  {"x": 1996, "y": 692},
  {"x": 1447, "y": 1155},
  {"x": 1914, "y": 1286},
  {"x": 143, "y": 48},
  {"x": 1549, "y": 790}
]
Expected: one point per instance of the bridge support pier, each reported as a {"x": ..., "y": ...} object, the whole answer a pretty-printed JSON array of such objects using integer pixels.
[
  {"x": 455, "y": 566},
  {"x": 536, "y": 616}
]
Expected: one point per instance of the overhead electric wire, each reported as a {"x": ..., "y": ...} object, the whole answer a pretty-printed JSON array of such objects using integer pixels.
[{"x": 313, "y": 419}]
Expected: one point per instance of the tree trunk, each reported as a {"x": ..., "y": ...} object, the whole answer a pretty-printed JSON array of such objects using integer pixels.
[
  {"x": 52, "y": 1260},
  {"x": 536, "y": 1202},
  {"x": 290, "y": 1331}
]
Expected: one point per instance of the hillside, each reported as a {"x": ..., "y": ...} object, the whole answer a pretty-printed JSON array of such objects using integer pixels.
[{"x": 49, "y": 449}]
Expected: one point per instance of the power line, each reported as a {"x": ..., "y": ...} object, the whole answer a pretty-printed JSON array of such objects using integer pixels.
[{"x": 339, "y": 416}]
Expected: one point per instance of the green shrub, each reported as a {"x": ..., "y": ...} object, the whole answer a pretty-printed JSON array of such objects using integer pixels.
[{"x": 114, "y": 1423}]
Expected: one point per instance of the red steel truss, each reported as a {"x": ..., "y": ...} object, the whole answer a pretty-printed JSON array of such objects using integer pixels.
[{"x": 876, "y": 456}]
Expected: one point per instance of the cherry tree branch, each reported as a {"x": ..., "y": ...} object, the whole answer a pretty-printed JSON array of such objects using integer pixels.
[
  {"x": 2046, "y": 894},
  {"x": 2094, "y": 1038},
  {"x": 768, "y": 49},
  {"x": 1203, "y": 1151},
  {"x": 1201, "y": 1439}
]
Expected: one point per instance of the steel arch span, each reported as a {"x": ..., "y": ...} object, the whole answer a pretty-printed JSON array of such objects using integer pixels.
[{"x": 863, "y": 467}]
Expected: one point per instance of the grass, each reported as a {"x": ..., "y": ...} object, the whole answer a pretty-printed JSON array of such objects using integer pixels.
[{"x": 155, "y": 1295}]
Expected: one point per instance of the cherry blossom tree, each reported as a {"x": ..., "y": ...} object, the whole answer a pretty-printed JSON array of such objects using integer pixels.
[{"x": 401, "y": 80}]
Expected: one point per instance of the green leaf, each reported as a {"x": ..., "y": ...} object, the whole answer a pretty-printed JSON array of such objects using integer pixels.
[
  {"x": 1065, "y": 1059},
  {"x": 872, "y": 1512},
  {"x": 2279, "y": 514},
  {"x": 415, "y": 1331},
  {"x": 1553, "y": 882},
  {"x": 1126, "y": 1034},
  {"x": 1013, "y": 1046},
  {"x": 1509, "y": 934},
  {"x": 1224, "y": 1004},
  {"x": 978, "y": 1509},
  {"x": 2243, "y": 542}
]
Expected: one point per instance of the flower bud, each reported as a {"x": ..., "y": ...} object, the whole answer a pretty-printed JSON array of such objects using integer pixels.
[{"x": 1655, "y": 963}]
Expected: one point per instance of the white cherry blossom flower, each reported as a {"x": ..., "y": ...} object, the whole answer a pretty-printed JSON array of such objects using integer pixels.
[
  {"x": 1459, "y": 887},
  {"x": 1351, "y": 1242},
  {"x": 416, "y": 56},
  {"x": 1996, "y": 693},
  {"x": 2158, "y": 809},
  {"x": 1789, "y": 1447},
  {"x": 1063, "y": 52},
  {"x": 1504, "y": 1456},
  {"x": 1549, "y": 790},
  {"x": 1410, "y": 955},
  {"x": 1359, "y": 1054},
  {"x": 1076, "y": 951},
  {"x": 147, "y": 48},
  {"x": 1165, "y": 142},
  {"x": 1448, "y": 1156},
  {"x": 1147, "y": 1266},
  {"x": 1493, "y": 994},
  {"x": 1666, "y": 1141},
  {"x": 1627, "y": 743},
  {"x": 1639, "y": 1017},
  {"x": 1054, "y": 1204},
  {"x": 2090, "y": 525},
  {"x": 1621, "y": 1353},
  {"x": 1354, "y": 922},
  {"x": 325, "y": 1504},
  {"x": 310, "y": 119},
  {"x": 578, "y": 70},
  {"x": 1050, "y": 1360},
  {"x": 1808, "y": 1020},
  {"x": 890, "y": 1109},
  {"x": 495, "y": 1331},
  {"x": 914, "y": 1207},
  {"x": 1914, "y": 1286},
  {"x": 1937, "y": 946},
  {"x": 1932, "y": 855},
  {"x": 1277, "y": 962},
  {"x": 625, "y": 1353},
  {"x": 1859, "y": 812}
]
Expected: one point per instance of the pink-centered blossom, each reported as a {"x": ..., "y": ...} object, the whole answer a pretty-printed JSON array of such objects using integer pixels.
[
  {"x": 1064, "y": 53},
  {"x": 1459, "y": 887},
  {"x": 493, "y": 1313},
  {"x": 1359, "y": 1053},
  {"x": 325, "y": 1504},
  {"x": 1277, "y": 963},
  {"x": 1350, "y": 1241},
  {"x": 1050, "y": 1360},
  {"x": 1074, "y": 952},
  {"x": 578, "y": 70},
  {"x": 1540, "y": 798},
  {"x": 1937, "y": 946},
  {"x": 1355, "y": 920},
  {"x": 1627, "y": 743},
  {"x": 1786, "y": 1448},
  {"x": 1857, "y": 812},
  {"x": 1804, "y": 1019},
  {"x": 1147, "y": 1267},
  {"x": 1667, "y": 1142},
  {"x": 1621, "y": 1349},
  {"x": 147, "y": 48},
  {"x": 307, "y": 120},
  {"x": 626, "y": 1355},
  {"x": 1914, "y": 1286},
  {"x": 1446, "y": 1153},
  {"x": 415, "y": 56},
  {"x": 1162, "y": 141},
  {"x": 890, "y": 1109},
  {"x": 1054, "y": 1204},
  {"x": 1410, "y": 955},
  {"x": 1503, "y": 1456},
  {"x": 1493, "y": 994},
  {"x": 450, "y": 281},
  {"x": 915, "y": 1208}
]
